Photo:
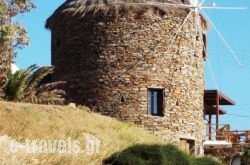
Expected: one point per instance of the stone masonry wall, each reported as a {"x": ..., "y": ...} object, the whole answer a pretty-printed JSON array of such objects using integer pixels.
[{"x": 110, "y": 62}]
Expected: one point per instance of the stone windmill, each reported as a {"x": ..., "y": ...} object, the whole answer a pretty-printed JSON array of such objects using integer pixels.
[{"x": 136, "y": 60}]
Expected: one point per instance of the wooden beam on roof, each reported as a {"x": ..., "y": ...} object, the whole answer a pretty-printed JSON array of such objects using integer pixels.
[{"x": 210, "y": 98}]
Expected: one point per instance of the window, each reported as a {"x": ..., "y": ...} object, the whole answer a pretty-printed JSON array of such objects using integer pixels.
[
  {"x": 204, "y": 52},
  {"x": 187, "y": 145},
  {"x": 123, "y": 99},
  {"x": 155, "y": 102}
]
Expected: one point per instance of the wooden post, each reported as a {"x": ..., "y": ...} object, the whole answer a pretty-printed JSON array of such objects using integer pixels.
[
  {"x": 217, "y": 110},
  {"x": 210, "y": 127}
]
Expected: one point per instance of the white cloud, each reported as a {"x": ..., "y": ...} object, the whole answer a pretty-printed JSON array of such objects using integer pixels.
[{"x": 14, "y": 68}]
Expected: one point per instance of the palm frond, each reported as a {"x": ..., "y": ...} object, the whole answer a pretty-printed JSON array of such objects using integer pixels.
[
  {"x": 16, "y": 84},
  {"x": 22, "y": 78},
  {"x": 29, "y": 86},
  {"x": 38, "y": 75},
  {"x": 51, "y": 97},
  {"x": 49, "y": 86}
]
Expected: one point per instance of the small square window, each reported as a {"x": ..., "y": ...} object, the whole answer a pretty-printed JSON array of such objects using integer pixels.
[
  {"x": 187, "y": 145},
  {"x": 155, "y": 102}
]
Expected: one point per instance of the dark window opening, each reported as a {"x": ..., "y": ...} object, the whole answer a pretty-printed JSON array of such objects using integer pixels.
[
  {"x": 123, "y": 99},
  {"x": 155, "y": 102},
  {"x": 186, "y": 2},
  {"x": 187, "y": 145},
  {"x": 204, "y": 52}
]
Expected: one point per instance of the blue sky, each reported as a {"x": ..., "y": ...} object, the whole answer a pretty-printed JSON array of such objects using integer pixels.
[
  {"x": 230, "y": 76},
  {"x": 222, "y": 70}
]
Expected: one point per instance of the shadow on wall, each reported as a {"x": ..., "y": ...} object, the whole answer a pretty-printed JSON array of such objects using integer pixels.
[{"x": 142, "y": 154}]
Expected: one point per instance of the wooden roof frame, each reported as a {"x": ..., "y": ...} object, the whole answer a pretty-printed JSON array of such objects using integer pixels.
[{"x": 210, "y": 98}]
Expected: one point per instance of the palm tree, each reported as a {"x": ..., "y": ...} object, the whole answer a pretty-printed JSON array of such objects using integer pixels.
[{"x": 29, "y": 85}]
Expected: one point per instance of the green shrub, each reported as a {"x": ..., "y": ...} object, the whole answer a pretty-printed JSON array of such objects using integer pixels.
[
  {"x": 246, "y": 157},
  {"x": 206, "y": 160},
  {"x": 142, "y": 154}
]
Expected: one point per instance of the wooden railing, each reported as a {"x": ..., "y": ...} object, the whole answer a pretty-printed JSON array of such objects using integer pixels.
[
  {"x": 217, "y": 134},
  {"x": 242, "y": 136},
  {"x": 224, "y": 133}
]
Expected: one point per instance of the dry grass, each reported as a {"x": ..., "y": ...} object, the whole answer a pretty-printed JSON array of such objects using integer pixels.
[{"x": 47, "y": 122}]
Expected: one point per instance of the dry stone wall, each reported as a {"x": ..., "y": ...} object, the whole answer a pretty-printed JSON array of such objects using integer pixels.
[{"x": 110, "y": 62}]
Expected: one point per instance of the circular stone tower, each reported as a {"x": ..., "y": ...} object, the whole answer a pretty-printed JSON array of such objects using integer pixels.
[{"x": 140, "y": 62}]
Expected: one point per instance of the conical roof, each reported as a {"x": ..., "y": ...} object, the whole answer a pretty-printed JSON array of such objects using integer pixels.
[{"x": 83, "y": 7}]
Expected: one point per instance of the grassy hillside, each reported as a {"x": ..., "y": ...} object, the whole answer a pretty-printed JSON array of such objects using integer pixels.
[
  {"x": 120, "y": 143},
  {"x": 41, "y": 122}
]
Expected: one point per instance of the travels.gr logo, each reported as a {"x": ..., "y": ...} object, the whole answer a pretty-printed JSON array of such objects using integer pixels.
[{"x": 69, "y": 146}]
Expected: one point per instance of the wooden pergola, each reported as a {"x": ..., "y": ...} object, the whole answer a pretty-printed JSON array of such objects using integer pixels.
[{"x": 212, "y": 101}]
